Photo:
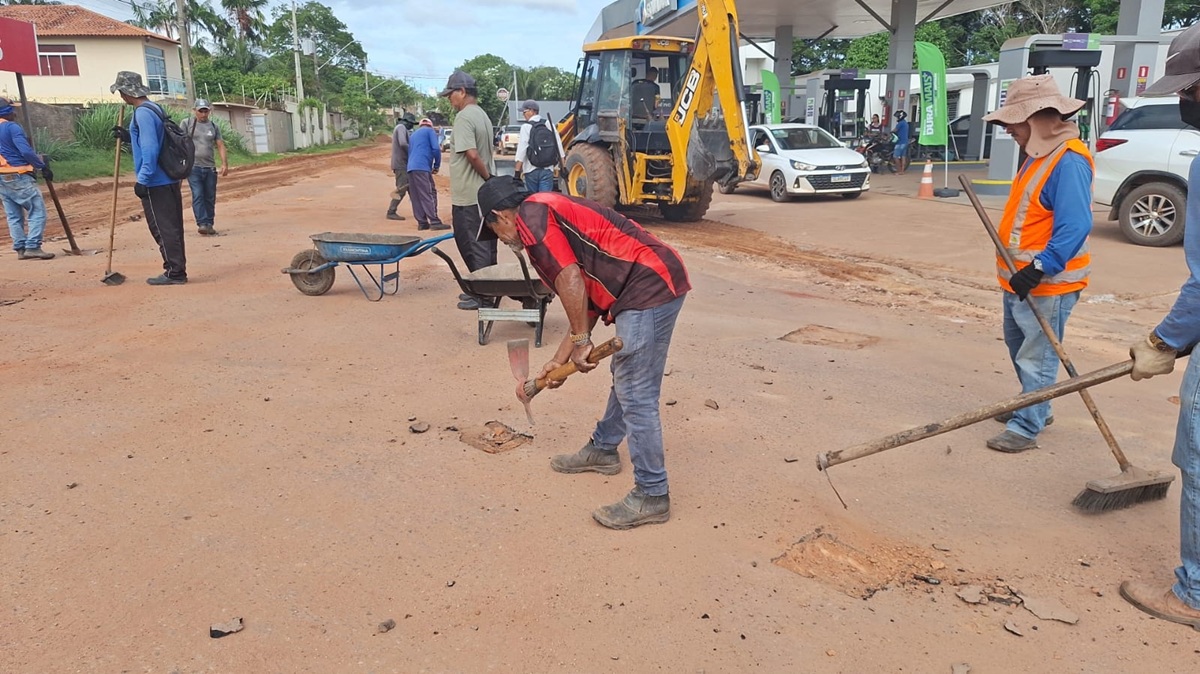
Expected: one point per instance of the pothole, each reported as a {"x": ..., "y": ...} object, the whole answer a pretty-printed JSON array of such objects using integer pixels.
[
  {"x": 823, "y": 335},
  {"x": 820, "y": 555},
  {"x": 493, "y": 437}
]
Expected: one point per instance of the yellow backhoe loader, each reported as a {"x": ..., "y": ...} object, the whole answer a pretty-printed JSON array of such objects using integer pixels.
[{"x": 659, "y": 120}]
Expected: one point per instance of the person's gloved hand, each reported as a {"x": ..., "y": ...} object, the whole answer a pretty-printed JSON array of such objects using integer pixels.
[
  {"x": 47, "y": 173},
  {"x": 1150, "y": 360},
  {"x": 141, "y": 190},
  {"x": 122, "y": 133},
  {"x": 1025, "y": 280}
]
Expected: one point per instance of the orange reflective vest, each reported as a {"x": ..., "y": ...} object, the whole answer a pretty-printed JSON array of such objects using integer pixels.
[
  {"x": 1027, "y": 225},
  {"x": 9, "y": 169}
]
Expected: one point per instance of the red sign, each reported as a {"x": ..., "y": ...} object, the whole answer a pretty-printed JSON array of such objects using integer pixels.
[
  {"x": 1143, "y": 71},
  {"x": 901, "y": 93},
  {"x": 18, "y": 47},
  {"x": 1122, "y": 73}
]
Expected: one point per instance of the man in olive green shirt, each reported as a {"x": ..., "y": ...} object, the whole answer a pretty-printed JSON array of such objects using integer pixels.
[{"x": 470, "y": 166}]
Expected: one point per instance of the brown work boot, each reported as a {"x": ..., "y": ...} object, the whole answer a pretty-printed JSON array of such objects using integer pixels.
[
  {"x": 37, "y": 254},
  {"x": 1163, "y": 605},
  {"x": 1011, "y": 443},
  {"x": 636, "y": 509},
  {"x": 589, "y": 459}
]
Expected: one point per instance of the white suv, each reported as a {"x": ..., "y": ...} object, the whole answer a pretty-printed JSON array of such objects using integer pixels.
[{"x": 1142, "y": 164}]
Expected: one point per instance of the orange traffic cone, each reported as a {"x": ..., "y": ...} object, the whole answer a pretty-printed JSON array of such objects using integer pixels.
[{"x": 926, "y": 191}]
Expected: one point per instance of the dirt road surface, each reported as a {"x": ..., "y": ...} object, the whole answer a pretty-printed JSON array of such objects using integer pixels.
[{"x": 174, "y": 458}]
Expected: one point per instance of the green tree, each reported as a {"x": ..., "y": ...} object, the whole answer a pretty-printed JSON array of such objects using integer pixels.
[
  {"x": 871, "y": 52},
  {"x": 247, "y": 18}
]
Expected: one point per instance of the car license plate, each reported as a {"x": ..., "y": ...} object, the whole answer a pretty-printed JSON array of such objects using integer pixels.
[{"x": 844, "y": 178}]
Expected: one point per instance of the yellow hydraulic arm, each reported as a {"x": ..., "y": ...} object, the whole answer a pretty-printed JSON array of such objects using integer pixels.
[{"x": 714, "y": 143}]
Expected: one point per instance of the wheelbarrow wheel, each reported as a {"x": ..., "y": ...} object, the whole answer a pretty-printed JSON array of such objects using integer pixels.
[{"x": 311, "y": 284}]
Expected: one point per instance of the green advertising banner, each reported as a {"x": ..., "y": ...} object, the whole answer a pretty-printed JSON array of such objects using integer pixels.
[
  {"x": 934, "y": 111},
  {"x": 771, "y": 99}
]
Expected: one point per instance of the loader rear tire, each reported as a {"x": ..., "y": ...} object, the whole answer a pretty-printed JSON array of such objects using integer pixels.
[
  {"x": 591, "y": 174},
  {"x": 690, "y": 211}
]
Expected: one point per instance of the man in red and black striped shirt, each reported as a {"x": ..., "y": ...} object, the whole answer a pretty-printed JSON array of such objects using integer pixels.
[{"x": 604, "y": 266}]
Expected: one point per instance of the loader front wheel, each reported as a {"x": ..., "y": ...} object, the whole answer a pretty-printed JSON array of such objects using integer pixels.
[
  {"x": 689, "y": 211},
  {"x": 591, "y": 174}
]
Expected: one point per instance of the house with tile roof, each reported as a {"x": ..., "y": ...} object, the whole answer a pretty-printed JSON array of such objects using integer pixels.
[{"x": 81, "y": 51}]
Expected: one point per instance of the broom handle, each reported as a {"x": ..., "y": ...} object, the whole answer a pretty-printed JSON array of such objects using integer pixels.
[
  {"x": 112, "y": 223},
  {"x": 1002, "y": 250},
  {"x": 1062, "y": 388}
]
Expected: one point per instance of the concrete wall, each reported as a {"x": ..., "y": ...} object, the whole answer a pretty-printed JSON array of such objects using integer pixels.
[
  {"x": 58, "y": 121},
  {"x": 99, "y": 61},
  {"x": 278, "y": 131}
]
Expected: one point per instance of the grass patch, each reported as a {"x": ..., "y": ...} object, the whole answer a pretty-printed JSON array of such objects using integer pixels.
[{"x": 72, "y": 161}]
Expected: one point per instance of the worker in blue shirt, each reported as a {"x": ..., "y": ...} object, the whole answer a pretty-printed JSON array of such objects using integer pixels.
[
  {"x": 424, "y": 160},
  {"x": 900, "y": 151},
  {"x": 162, "y": 199},
  {"x": 1179, "y": 333},
  {"x": 1045, "y": 225},
  {"x": 23, "y": 205}
]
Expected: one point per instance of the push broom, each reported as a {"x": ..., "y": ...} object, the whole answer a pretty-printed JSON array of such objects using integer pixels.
[{"x": 1133, "y": 485}]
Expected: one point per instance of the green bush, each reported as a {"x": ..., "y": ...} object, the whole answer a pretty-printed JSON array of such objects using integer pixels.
[
  {"x": 93, "y": 129},
  {"x": 53, "y": 148}
]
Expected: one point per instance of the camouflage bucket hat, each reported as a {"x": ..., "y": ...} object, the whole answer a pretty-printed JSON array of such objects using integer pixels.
[{"x": 130, "y": 84}]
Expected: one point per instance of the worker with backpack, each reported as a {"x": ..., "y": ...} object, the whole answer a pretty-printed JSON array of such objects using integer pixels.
[
  {"x": 539, "y": 150},
  {"x": 162, "y": 156}
]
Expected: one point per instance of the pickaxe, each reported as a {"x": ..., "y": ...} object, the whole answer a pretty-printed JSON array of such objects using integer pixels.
[{"x": 527, "y": 388}]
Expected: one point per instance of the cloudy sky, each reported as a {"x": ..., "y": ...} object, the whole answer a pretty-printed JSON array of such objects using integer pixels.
[{"x": 423, "y": 40}]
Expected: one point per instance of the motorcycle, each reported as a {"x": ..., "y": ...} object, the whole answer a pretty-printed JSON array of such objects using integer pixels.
[{"x": 878, "y": 150}]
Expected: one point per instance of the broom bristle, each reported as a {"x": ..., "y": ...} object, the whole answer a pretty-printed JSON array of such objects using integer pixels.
[{"x": 1095, "y": 502}]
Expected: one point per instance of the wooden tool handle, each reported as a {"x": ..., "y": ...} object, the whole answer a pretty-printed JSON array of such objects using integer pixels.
[
  {"x": 598, "y": 354},
  {"x": 112, "y": 224},
  {"x": 1062, "y": 388}
]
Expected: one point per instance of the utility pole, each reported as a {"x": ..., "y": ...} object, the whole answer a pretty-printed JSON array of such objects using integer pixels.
[
  {"x": 186, "y": 41},
  {"x": 299, "y": 77},
  {"x": 366, "y": 78},
  {"x": 316, "y": 69}
]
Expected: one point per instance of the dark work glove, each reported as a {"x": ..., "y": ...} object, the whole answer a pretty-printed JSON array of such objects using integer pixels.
[
  {"x": 1026, "y": 280},
  {"x": 47, "y": 173},
  {"x": 122, "y": 133},
  {"x": 141, "y": 190}
]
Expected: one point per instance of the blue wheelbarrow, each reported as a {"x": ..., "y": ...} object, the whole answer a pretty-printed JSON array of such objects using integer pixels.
[{"x": 312, "y": 270}]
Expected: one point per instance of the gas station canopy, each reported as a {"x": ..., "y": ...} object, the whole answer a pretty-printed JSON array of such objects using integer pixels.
[{"x": 809, "y": 19}]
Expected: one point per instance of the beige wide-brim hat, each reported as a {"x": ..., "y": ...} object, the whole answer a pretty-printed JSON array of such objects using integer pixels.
[{"x": 1030, "y": 95}]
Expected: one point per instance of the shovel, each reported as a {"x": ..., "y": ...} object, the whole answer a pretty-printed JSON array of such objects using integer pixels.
[
  {"x": 62, "y": 217},
  {"x": 527, "y": 388},
  {"x": 114, "y": 278}
]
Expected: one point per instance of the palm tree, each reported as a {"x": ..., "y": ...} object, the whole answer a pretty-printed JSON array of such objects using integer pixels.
[
  {"x": 159, "y": 17},
  {"x": 162, "y": 17},
  {"x": 247, "y": 17}
]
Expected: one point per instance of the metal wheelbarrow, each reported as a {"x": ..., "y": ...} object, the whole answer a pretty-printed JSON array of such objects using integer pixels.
[
  {"x": 491, "y": 284},
  {"x": 312, "y": 270}
]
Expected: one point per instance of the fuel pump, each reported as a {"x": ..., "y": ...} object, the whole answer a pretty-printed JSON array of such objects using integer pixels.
[{"x": 832, "y": 118}]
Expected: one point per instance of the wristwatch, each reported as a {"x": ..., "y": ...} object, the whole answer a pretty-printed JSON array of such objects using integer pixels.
[
  {"x": 1158, "y": 343},
  {"x": 579, "y": 340}
]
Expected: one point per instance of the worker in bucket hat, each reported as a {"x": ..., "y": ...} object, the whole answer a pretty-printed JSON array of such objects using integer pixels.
[{"x": 1045, "y": 225}]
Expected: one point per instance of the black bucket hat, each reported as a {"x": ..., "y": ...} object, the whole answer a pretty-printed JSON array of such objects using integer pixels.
[{"x": 497, "y": 193}]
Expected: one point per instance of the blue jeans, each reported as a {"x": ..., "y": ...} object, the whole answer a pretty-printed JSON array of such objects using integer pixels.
[
  {"x": 539, "y": 180},
  {"x": 633, "y": 400},
  {"x": 1187, "y": 457},
  {"x": 21, "y": 195},
  {"x": 203, "y": 183},
  {"x": 1032, "y": 356}
]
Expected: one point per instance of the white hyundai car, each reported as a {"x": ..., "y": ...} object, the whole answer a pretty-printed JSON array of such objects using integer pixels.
[
  {"x": 1142, "y": 164},
  {"x": 800, "y": 159}
]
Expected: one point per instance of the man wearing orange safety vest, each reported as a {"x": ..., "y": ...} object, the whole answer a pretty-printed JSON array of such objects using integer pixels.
[
  {"x": 23, "y": 205},
  {"x": 1046, "y": 225}
]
